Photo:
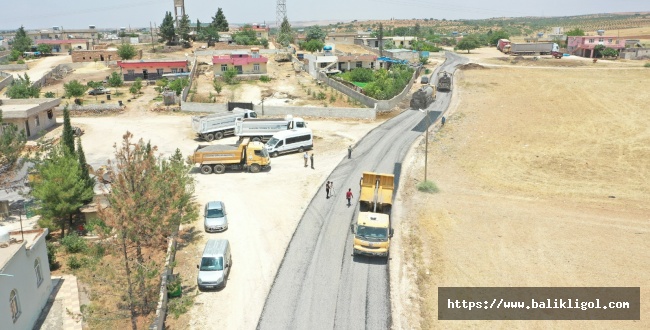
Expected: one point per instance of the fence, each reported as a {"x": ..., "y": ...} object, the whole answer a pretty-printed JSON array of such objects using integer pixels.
[
  {"x": 186, "y": 90},
  {"x": 267, "y": 110},
  {"x": 14, "y": 67},
  {"x": 161, "y": 310},
  {"x": 5, "y": 79}
]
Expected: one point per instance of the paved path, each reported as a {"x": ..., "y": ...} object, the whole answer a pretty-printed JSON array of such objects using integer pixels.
[
  {"x": 319, "y": 285},
  {"x": 41, "y": 67},
  {"x": 62, "y": 311}
]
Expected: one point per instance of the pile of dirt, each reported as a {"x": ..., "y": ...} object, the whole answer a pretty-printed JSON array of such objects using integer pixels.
[{"x": 471, "y": 66}]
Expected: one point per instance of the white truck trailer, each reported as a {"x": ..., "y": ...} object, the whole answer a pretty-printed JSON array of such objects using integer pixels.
[
  {"x": 218, "y": 125},
  {"x": 263, "y": 129},
  {"x": 539, "y": 48}
]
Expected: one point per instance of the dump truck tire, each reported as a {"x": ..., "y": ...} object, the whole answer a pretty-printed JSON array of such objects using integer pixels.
[
  {"x": 206, "y": 169},
  {"x": 209, "y": 137},
  {"x": 257, "y": 139},
  {"x": 218, "y": 135},
  {"x": 219, "y": 168},
  {"x": 255, "y": 168}
]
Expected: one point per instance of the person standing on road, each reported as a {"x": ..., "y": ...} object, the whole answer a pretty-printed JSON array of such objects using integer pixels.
[
  {"x": 349, "y": 152},
  {"x": 443, "y": 121},
  {"x": 348, "y": 196},
  {"x": 327, "y": 189},
  {"x": 306, "y": 157},
  {"x": 311, "y": 159}
]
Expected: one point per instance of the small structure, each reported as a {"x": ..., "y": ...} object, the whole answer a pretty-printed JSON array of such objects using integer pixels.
[
  {"x": 25, "y": 281},
  {"x": 349, "y": 62},
  {"x": 261, "y": 30},
  {"x": 30, "y": 115},
  {"x": 151, "y": 69},
  {"x": 95, "y": 55},
  {"x": 584, "y": 45},
  {"x": 345, "y": 38},
  {"x": 403, "y": 54},
  {"x": 403, "y": 42},
  {"x": 243, "y": 62},
  {"x": 65, "y": 45}
]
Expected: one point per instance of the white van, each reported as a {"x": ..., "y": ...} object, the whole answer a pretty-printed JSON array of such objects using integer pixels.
[
  {"x": 298, "y": 139},
  {"x": 215, "y": 265}
]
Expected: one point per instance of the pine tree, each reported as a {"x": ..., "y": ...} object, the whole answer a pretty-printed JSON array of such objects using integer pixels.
[
  {"x": 12, "y": 141},
  {"x": 198, "y": 26},
  {"x": 22, "y": 42},
  {"x": 167, "y": 30},
  {"x": 68, "y": 134},
  {"x": 85, "y": 173},
  {"x": 184, "y": 28},
  {"x": 219, "y": 21}
]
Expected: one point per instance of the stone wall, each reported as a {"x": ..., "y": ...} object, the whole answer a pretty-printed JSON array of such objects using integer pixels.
[
  {"x": 5, "y": 79},
  {"x": 98, "y": 55},
  {"x": 13, "y": 67},
  {"x": 326, "y": 112}
]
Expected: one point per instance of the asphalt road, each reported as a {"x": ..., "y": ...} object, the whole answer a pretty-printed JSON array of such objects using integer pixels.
[{"x": 319, "y": 285}]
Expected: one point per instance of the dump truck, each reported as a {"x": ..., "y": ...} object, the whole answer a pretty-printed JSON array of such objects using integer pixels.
[
  {"x": 263, "y": 129},
  {"x": 218, "y": 125},
  {"x": 539, "y": 48},
  {"x": 444, "y": 81},
  {"x": 372, "y": 231},
  {"x": 423, "y": 97},
  {"x": 502, "y": 43},
  {"x": 247, "y": 155}
]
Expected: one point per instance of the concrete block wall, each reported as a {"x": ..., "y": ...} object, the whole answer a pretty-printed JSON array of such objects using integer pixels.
[
  {"x": 5, "y": 79},
  {"x": 13, "y": 67},
  {"x": 203, "y": 107},
  {"x": 364, "y": 99},
  {"x": 326, "y": 112}
]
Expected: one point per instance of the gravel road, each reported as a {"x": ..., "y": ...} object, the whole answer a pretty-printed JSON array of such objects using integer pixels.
[{"x": 319, "y": 285}]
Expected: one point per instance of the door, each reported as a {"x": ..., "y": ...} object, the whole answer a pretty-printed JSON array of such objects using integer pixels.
[
  {"x": 145, "y": 74},
  {"x": 27, "y": 128}
]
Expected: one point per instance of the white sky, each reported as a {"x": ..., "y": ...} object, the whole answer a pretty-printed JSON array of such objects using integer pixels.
[{"x": 39, "y": 14}]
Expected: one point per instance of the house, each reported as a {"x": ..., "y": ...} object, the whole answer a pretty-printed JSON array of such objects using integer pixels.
[
  {"x": 261, "y": 30},
  {"x": 584, "y": 45},
  {"x": 30, "y": 115},
  {"x": 151, "y": 69},
  {"x": 349, "y": 62},
  {"x": 25, "y": 281},
  {"x": 65, "y": 45},
  {"x": 243, "y": 62},
  {"x": 403, "y": 54},
  {"x": 399, "y": 42},
  {"x": 634, "y": 53},
  {"x": 346, "y": 38},
  {"x": 79, "y": 55}
]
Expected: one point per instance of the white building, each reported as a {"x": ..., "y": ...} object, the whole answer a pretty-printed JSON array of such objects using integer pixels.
[
  {"x": 30, "y": 115},
  {"x": 25, "y": 282}
]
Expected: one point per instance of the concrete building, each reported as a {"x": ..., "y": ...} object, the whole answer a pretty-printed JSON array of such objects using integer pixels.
[
  {"x": 399, "y": 42},
  {"x": 635, "y": 53},
  {"x": 584, "y": 45},
  {"x": 151, "y": 69},
  {"x": 65, "y": 45},
  {"x": 95, "y": 55},
  {"x": 30, "y": 115},
  {"x": 345, "y": 38},
  {"x": 25, "y": 281},
  {"x": 243, "y": 62},
  {"x": 261, "y": 30},
  {"x": 349, "y": 62},
  {"x": 403, "y": 54}
]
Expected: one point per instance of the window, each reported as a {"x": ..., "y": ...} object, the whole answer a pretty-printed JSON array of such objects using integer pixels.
[
  {"x": 601, "y": 39},
  {"x": 256, "y": 67},
  {"x": 160, "y": 71},
  {"x": 39, "y": 274},
  {"x": 610, "y": 40},
  {"x": 359, "y": 64},
  {"x": 130, "y": 72},
  {"x": 591, "y": 41},
  {"x": 224, "y": 67},
  {"x": 174, "y": 70},
  {"x": 181, "y": 70},
  {"x": 297, "y": 139},
  {"x": 15, "y": 305},
  {"x": 38, "y": 121}
]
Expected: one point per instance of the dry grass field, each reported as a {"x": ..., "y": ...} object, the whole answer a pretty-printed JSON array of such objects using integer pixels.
[{"x": 543, "y": 177}]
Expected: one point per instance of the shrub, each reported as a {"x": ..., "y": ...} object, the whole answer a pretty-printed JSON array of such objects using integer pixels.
[
  {"x": 98, "y": 250},
  {"x": 265, "y": 79},
  {"x": 74, "y": 263},
  {"x": 428, "y": 187},
  {"x": 321, "y": 96},
  {"x": 49, "y": 95},
  {"x": 332, "y": 98},
  {"x": 647, "y": 65},
  {"x": 51, "y": 256},
  {"x": 73, "y": 243}
]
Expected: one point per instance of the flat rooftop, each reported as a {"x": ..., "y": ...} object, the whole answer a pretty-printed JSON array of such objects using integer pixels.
[{"x": 16, "y": 242}]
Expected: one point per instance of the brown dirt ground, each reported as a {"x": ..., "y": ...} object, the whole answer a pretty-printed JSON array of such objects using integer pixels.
[{"x": 543, "y": 178}]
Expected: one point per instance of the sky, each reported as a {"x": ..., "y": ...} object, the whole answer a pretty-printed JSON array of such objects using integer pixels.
[{"x": 44, "y": 14}]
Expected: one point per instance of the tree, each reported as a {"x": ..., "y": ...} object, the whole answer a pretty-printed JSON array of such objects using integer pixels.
[
  {"x": 177, "y": 85},
  {"x": 495, "y": 36},
  {"x": 44, "y": 48},
  {"x": 167, "y": 30},
  {"x": 315, "y": 33},
  {"x": 417, "y": 29},
  {"x": 74, "y": 89},
  {"x": 198, "y": 27},
  {"x": 12, "y": 141},
  {"x": 389, "y": 44},
  {"x": 126, "y": 51},
  {"x": 23, "y": 88},
  {"x": 60, "y": 190},
  {"x": 94, "y": 84},
  {"x": 312, "y": 45},
  {"x": 219, "y": 21},
  {"x": 468, "y": 43},
  {"x": 115, "y": 80},
  {"x": 577, "y": 32},
  {"x": 184, "y": 28},
  {"x": 85, "y": 172},
  {"x": 609, "y": 52},
  {"x": 67, "y": 137},
  {"x": 218, "y": 87},
  {"x": 208, "y": 34},
  {"x": 22, "y": 42},
  {"x": 285, "y": 37},
  {"x": 230, "y": 75},
  {"x": 136, "y": 87}
]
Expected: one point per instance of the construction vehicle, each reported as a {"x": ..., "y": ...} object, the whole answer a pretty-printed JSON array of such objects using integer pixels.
[
  {"x": 444, "y": 81},
  {"x": 247, "y": 155},
  {"x": 372, "y": 231},
  {"x": 218, "y": 125},
  {"x": 502, "y": 43},
  {"x": 423, "y": 97},
  {"x": 263, "y": 129},
  {"x": 539, "y": 48}
]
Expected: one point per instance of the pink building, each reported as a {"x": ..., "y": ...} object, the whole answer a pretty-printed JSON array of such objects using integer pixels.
[
  {"x": 584, "y": 45},
  {"x": 244, "y": 63}
]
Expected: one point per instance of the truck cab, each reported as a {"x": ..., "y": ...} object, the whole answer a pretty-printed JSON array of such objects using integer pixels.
[{"x": 372, "y": 234}]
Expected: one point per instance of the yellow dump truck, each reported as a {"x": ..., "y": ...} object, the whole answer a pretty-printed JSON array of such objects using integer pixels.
[
  {"x": 372, "y": 231},
  {"x": 247, "y": 155}
]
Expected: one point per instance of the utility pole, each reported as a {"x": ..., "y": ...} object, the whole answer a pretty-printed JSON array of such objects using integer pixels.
[
  {"x": 381, "y": 40},
  {"x": 153, "y": 49},
  {"x": 426, "y": 143}
]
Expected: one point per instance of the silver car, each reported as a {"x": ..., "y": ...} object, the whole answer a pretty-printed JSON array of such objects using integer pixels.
[{"x": 215, "y": 217}]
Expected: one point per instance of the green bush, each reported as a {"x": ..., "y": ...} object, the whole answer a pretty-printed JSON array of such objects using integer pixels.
[
  {"x": 428, "y": 187},
  {"x": 74, "y": 244},
  {"x": 265, "y": 79},
  {"x": 647, "y": 65},
  {"x": 51, "y": 256},
  {"x": 20, "y": 62},
  {"x": 230, "y": 76},
  {"x": 98, "y": 250},
  {"x": 74, "y": 263},
  {"x": 49, "y": 95},
  {"x": 321, "y": 96}
]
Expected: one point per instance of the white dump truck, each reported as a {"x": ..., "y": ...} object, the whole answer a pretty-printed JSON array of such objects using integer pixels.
[
  {"x": 263, "y": 129},
  {"x": 218, "y": 125}
]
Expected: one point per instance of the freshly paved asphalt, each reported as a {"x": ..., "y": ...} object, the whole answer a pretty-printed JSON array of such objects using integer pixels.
[{"x": 319, "y": 285}]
